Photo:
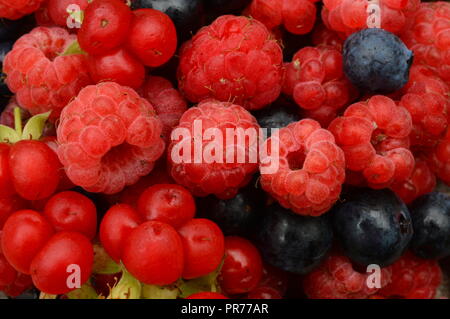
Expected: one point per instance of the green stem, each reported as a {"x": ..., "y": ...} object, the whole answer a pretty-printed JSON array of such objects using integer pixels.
[{"x": 18, "y": 121}]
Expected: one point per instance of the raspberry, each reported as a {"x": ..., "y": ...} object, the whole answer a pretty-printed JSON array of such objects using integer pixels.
[
  {"x": 337, "y": 279},
  {"x": 439, "y": 160},
  {"x": 422, "y": 181},
  {"x": 223, "y": 173},
  {"x": 413, "y": 278},
  {"x": 297, "y": 16},
  {"x": 16, "y": 9},
  {"x": 311, "y": 168},
  {"x": 316, "y": 81},
  {"x": 348, "y": 16},
  {"x": 322, "y": 36},
  {"x": 235, "y": 59},
  {"x": 42, "y": 78},
  {"x": 429, "y": 37},
  {"x": 374, "y": 137},
  {"x": 169, "y": 104},
  {"x": 109, "y": 137}
]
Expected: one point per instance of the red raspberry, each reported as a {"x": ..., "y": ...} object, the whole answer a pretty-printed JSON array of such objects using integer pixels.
[
  {"x": 439, "y": 159},
  {"x": 311, "y": 168},
  {"x": 429, "y": 37},
  {"x": 337, "y": 279},
  {"x": 234, "y": 59},
  {"x": 297, "y": 16},
  {"x": 322, "y": 36},
  {"x": 348, "y": 16},
  {"x": 413, "y": 278},
  {"x": 316, "y": 81},
  {"x": 109, "y": 137},
  {"x": 223, "y": 173},
  {"x": 16, "y": 9},
  {"x": 169, "y": 104},
  {"x": 422, "y": 181},
  {"x": 374, "y": 137},
  {"x": 42, "y": 78}
]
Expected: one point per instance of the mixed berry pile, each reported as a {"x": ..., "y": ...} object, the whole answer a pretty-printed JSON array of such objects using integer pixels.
[{"x": 119, "y": 178}]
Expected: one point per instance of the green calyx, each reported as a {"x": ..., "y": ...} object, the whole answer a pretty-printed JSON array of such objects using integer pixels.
[
  {"x": 128, "y": 287},
  {"x": 73, "y": 48},
  {"x": 32, "y": 130}
]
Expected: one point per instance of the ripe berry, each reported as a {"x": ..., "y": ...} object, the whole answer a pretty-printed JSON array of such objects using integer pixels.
[
  {"x": 207, "y": 295},
  {"x": 34, "y": 169},
  {"x": 168, "y": 203},
  {"x": 386, "y": 231},
  {"x": 58, "y": 10},
  {"x": 152, "y": 37},
  {"x": 291, "y": 242},
  {"x": 7, "y": 272},
  {"x": 153, "y": 253},
  {"x": 9, "y": 205},
  {"x": 376, "y": 60},
  {"x": 17, "y": 9},
  {"x": 72, "y": 211},
  {"x": 24, "y": 234},
  {"x": 105, "y": 26},
  {"x": 438, "y": 159},
  {"x": 21, "y": 284},
  {"x": 264, "y": 293},
  {"x": 5, "y": 175},
  {"x": 118, "y": 66},
  {"x": 115, "y": 228},
  {"x": 50, "y": 269},
  {"x": 242, "y": 267},
  {"x": 431, "y": 222},
  {"x": 203, "y": 244}
]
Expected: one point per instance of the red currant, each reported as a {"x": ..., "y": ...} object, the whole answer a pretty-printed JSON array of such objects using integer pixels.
[
  {"x": 24, "y": 234},
  {"x": 264, "y": 292},
  {"x": 58, "y": 10},
  {"x": 22, "y": 283},
  {"x": 152, "y": 37},
  {"x": 203, "y": 244},
  {"x": 9, "y": 205},
  {"x": 115, "y": 227},
  {"x": 242, "y": 267},
  {"x": 5, "y": 175},
  {"x": 168, "y": 203},
  {"x": 72, "y": 211},
  {"x": 153, "y": 253},
  {"x": 7, "y": 272}
]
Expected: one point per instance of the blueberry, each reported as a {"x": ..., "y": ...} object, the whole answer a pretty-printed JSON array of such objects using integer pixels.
[
  {"x": 431, "y": 222},
  {"x": 5, "y": 93},
  {"x": 376, "y": 60},
  {"x": 13, "y": 29},
  {"x": 373, "y": 226},
  {"x": 292, "y": 242}
]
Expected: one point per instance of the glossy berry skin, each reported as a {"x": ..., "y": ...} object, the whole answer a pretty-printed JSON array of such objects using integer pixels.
[
  {"x": 118, "y": 66},
  {"x": 9, "y": 205},
  {"x": 153, "y": 253},
  {"x": 105, "y": 26},
  {"x": 168, "y": 203},
  {"x": 203, "y": 244},
  {"x": 17, "y": 9},
  {"x": 5, "y": 175},
  {"x": 242, "y": 267},
  {"x": 264, "y": 293},
  {"x": 115, "y": 227},
  {"x": 34, "y": 169},
  {"x": 72, "y": 211},
  {"x": 207, "y": 295},
  {"x": 57, "y": 10},
  {"x": 7, "y": 272},
  {"x": 430, "y": 215},
  {"x": 373, "y": 226},
  {"x": 376, "y": 60},
  {"x": 19, "y": 286},
  {"x": 291, "y": 242},
  {"x": 24, "y": 234},
  {"x": 152, "y": 37},
  {"x": 49, "y": 269}
]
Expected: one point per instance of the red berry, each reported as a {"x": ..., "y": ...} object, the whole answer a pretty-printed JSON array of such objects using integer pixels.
[
  {"x": 242, "y": 267},
  {"x": 7, "y": 272},
  {"x": 274, "y": 278},
  {"x": 203, "y": 244},
  {"x": 52, "y": 267},
  {"x": 34, "y": 169},
  {"x": 22, "y": 283},
  {"x": 24, "y": 234},
  {"x": 264, "y": 292},
  {"x": 5, "y": 176},
  {"x": 9, "y": 205},
  {"x": 15, "y": 9},
  {"x": 71, "y": 211},
  {"x": 207, "y": 295},
  {"x": 115, "y": 228},
  {"x": 118, "y": 66},
  {"x": 106, "y": 25},
  {"x": 57, "y": 10},
  {"x": 153, "y": 253},
  {"x": 168, "y": 203},
  {"x": 152, "y": 37}
]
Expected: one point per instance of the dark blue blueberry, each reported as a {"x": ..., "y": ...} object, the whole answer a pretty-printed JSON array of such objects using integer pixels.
[
  {"x": 13, "y": 29},
  {"x": 373, "y": 226},
  {"x": 431, "y": 222},
  {"x": 292, "y": 242},
  {"x": 29, "y": 294},
  {"x": 376, "y": 60}
]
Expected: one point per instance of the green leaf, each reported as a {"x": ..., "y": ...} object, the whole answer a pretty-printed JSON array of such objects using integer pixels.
[
  {"x": 158, "y": 292},
  {"x": 103, "y": 264},
  {"x": 8, "y": 135},
  {"x": 86, "y": 291},
  {"x": 35, "y": 126},
  {"x": 74, "y": 48},
  {"x": 44, "y": 295},
  {"x": 128, "y": 287}
]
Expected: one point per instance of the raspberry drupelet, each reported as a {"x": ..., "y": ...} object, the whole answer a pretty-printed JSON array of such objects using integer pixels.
[
  {"x": 337, "y": 279},
  {"x": 214, "y": 164},
  {"x": 439, "y": 159},
  {"x": 322, "y": 36},
  {"x": 43, "y": 78},
  {"x": 374, "y": 137},
  {"x": 16, "y": 9},
  {"x": 109, "y": 137},
  {"x": 311, "y": 168},
  {"x": 235, "y": 59}
]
